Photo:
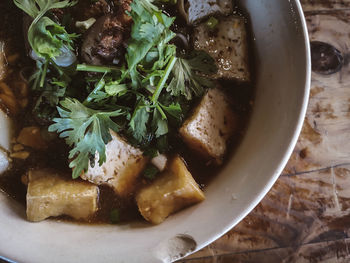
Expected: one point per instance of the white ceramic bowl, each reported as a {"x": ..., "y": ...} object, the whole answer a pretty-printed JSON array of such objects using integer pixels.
[{"x": 283, "y": 63}]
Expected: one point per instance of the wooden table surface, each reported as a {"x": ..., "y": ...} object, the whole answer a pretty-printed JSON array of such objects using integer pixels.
[{"x": 306, "y": 215}]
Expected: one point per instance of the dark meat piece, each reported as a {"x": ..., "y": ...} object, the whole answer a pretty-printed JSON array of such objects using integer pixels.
[
  {"x": 88, "y": 9},
  {"x": 123, "y": 6},
  {"x": 104, "y": 42}
]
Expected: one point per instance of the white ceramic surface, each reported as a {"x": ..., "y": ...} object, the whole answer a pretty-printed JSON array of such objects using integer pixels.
[{"x": 283, "y": 63}]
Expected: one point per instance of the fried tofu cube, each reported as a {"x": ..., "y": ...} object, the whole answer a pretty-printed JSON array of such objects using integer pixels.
[
  {"x": 123, "y": 165},
  {"x": 50, "y": 194},
  {"x": 210, "y": 126},
  {"x": 173, "y": 190},
  {"x": 228, "y": 45}
]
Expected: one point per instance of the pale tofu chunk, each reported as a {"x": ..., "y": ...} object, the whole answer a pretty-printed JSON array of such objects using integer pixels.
[
  {"x": 4, "y": 161},
  {"x": 228, "y": 45},
  {"x": 196, "y": 10},
  {"x": 5, "y": 141},
  {"x": 160, "y": 162},
  {"x": 172, "y": 191},
  {"x": 49, "y": 194},
  {"x": 5, "y": 131},
  {"x": 210, "y": 126},
  {"x": 123, "y": 165}
]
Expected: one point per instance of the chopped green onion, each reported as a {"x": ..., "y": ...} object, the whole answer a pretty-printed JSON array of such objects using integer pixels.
[
  {"x": 172, "y": 2},
  {"x": 98, "y": 69},
  {"x": 150, "y": 172},
  {"x": 114, "y": 216},
  {"x": 212, "y": 22}
]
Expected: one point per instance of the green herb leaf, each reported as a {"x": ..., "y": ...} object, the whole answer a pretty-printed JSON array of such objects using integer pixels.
[
  {"x": 150, "y": 28},
  {"x": 201, "y": 61},
  {"x": 150, "y": 172},
  {"x": 47, "y": 38},
  {"x": 86, "y": 130},
  {"x": 159, "y": 123},
  {"x": 139, "y": 120},
  {"x": 174, "y": 110},
  {"x": 115, "y": 89},
  {"x": 186, "y": 82},
  {"x": 36, "y": 8}
]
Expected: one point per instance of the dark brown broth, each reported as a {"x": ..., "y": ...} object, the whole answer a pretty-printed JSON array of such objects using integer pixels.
[{"x": 56, "y": 155}]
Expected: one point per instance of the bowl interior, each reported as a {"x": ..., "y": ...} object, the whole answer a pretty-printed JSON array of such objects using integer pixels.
[{"x": 283, "y": 75}]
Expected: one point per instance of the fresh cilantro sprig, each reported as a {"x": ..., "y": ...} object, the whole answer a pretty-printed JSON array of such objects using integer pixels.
[
  {"x": 52, "y": 48},
  {"x": 150, "y": 34},
  {"x": 86, "y": 130},
  {"x": 45, "y": 36},
  {"x": 154, "y": 66},
  {"x": 186, "y": 80},
  {"x": 148, "y": 94}
]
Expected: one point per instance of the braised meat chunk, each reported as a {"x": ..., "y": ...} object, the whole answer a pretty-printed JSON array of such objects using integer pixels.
[
  {"x": 91, "y": 9},
  {"x": 105, "y": 41}
]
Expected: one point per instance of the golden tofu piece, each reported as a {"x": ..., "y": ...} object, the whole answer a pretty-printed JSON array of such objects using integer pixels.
[
  {"x": 228, "y": 47},
  {"x": 49, "y": 194},
  {"x": 172, "y": 191},
  {"x": 211, "y": 125},
  {"x": 123, "y": 165}
]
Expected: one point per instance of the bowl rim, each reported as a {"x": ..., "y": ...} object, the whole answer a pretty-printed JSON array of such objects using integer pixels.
[{"x": 307, "y": 86}]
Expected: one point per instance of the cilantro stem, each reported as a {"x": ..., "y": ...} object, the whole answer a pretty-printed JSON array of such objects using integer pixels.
[
  {"x": 98, "y": 87},
  {"x": 159, "y": 108},
  {"x": 163, "y": 80},
  {"x": 43, "y": 75},
  {"x": 94, "y": 68}
]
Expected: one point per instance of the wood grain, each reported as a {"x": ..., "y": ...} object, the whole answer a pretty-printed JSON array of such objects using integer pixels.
[
  {"x": 306, "y": 215},
  {"x": 329, "y": 251},
  {"x": 318, "y": 5},
  {"x": 300, "y": 215},
  {"x": 325, "y": 139}
]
